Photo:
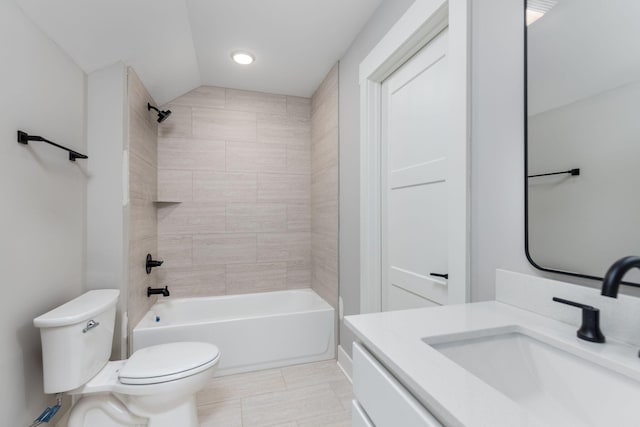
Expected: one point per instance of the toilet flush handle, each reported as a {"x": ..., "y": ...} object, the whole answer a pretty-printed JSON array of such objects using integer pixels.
[{"x": 90, "y": 325}]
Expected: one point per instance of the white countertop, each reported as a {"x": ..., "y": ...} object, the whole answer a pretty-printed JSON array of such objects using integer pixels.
[{"x": 452, "y": 394}]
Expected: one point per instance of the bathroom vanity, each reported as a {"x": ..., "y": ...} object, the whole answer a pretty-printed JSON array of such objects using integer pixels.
[{"x": 511, "y": 362}]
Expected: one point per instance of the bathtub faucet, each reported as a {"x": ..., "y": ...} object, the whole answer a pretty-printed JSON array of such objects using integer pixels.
[{"x": 158, "y": 291}]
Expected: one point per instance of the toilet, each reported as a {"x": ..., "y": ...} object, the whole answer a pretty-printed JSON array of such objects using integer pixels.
[{"x": 155, "y": 387}]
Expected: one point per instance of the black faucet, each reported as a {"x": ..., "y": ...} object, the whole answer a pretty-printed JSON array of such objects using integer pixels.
[
  {"x": 615, "y": 274},
  {"x": 590, "y": 328},
  {"x": 151, "y": 263},
  {"x": 158, "y": 291}
]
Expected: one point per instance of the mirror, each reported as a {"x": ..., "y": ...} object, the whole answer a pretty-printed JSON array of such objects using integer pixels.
[{"x": 582, "y": 136}]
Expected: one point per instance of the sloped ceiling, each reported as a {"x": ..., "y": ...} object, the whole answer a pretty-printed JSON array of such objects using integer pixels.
[{"x": 178, "y": 45}]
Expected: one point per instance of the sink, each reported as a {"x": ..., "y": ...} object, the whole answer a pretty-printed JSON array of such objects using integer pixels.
[{"x": 557, "y": 386}]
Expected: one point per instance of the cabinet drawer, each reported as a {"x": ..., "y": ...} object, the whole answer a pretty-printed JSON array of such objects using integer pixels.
[
  {"x": 386, "y": 402},
  {"x": 358, "y": 416}
]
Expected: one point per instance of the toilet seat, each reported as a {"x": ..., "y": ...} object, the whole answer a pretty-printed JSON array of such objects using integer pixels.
[{"x": 167, "y": 362}]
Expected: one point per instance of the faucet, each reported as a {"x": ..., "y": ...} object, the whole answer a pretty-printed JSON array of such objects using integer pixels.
[
  {"x": 158, "y": 291},
  {"x": 615, "y": 273},
  {"x": 151, "y": 263}
]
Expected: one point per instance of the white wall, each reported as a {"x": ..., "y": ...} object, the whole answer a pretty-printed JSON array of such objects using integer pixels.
[
  {"x": 586, "y": 223},
  {"x": 497, "y": 149},
  {"x": 381, "y": 21},
  {"x": 497, "y": 144},
  {"x": 107, "y": 238},
  {"x": 42, "y": 216}
]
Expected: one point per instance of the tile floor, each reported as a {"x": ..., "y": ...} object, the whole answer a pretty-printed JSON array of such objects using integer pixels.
[{"x": 311, "y": 395}]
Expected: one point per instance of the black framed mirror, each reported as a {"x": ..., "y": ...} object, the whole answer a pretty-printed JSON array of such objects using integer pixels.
[{"x": 582, "y": 135}]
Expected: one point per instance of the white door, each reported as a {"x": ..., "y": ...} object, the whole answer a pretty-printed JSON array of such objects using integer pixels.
[{"x": 415, "y": 120}]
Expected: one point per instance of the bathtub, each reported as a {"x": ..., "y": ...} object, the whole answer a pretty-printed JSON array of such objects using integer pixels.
[{"x": 253, "y": 331}]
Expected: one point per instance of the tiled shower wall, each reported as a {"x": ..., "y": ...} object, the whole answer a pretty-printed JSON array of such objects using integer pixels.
[
  {"x": 324, "y": 189},
  {"x": 234, "y": 191},
  {"x": 143, "y": 239}
]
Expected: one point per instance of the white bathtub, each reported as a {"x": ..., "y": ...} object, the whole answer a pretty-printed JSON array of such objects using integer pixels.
[{"x": 253, "y": 331}]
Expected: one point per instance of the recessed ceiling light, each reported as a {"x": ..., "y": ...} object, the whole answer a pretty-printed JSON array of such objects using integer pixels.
[{"x": 242, "y": 58}]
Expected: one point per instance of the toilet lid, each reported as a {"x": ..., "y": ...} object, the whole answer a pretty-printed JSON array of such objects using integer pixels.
[{"x": 168, "y": 362}]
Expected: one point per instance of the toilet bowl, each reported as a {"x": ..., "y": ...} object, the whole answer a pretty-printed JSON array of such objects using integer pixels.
[{"x": 155, "y": 387}]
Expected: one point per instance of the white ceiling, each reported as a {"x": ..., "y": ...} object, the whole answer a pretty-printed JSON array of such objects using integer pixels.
[{"x": 177, "y": 45}]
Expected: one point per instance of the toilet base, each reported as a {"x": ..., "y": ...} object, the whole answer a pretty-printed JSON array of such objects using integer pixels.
[{"x": 105, "y": 410}]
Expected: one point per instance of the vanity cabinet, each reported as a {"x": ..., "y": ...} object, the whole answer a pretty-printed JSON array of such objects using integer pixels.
[{"x": 382, "y": 401}]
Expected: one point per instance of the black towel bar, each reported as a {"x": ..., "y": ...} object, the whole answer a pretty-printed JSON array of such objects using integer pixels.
[
  {"x": 24, "y": 138},
  {"x": 573, "y": 172}
]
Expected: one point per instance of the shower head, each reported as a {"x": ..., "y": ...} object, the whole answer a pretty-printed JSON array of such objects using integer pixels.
[{"x": 162, "y": 115}]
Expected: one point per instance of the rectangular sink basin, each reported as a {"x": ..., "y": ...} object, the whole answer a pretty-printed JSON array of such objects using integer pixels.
[{"x": 557, "y": 386}]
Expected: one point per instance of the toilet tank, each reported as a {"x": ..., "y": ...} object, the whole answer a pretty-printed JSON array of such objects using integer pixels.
[{"x": 76, "y": 339}]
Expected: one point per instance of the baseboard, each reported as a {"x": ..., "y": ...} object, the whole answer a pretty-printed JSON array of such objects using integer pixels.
[{"x": 345, "y": 363}]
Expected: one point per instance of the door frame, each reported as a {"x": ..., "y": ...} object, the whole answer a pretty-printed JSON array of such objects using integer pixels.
[{"x": 424, "y": 20}]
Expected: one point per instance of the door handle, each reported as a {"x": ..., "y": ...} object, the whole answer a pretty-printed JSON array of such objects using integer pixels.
[{"x": 444, "y": 276}]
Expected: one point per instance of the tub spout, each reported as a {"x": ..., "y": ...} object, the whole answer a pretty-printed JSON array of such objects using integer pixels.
[{"x": 158, "y": 291}]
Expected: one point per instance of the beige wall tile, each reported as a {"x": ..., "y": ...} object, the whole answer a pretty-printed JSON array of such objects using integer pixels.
[
  {"x": 191, "y": 218},
  {"x": 284, "y": 247},
  {"x": 325, "y": 218},
  {"x": 191, "y": 154},
  {"x": 143, "y": 129},
  {"x": 194, "y": 281},
  {"x": 256, "y": 218},
  {"x": 142, "y": 192},
  {"x": 256, "y": 102},
  {"x": 142, "y": 220},
  {"x": 298, "y": 275},
  {"x": 253, "y": 157},
  {"x": 325, "y": 282},
  {"x": 324, "y": 188},
  {"x": 178, "y": 125},
  {"x": 324, "y": 185},
  {"x": 282, "y": 129},
  {"x": 175, "y": 251},
  {"x": 204, "y": 96},
  {"x": 283, "y": 188},
  {"x": 138, "y": 99},
  {"x": 224, "y": 187},
  {"x": 211, "y": 249},
  {"x": 210, "y": 157},
  {"x": 175, "y": 185},
  {"x": 139, "y": 280},
  {"x": 325, "y": 151},
  {"x": 225, "y": 125},
  {"x": 250, "y": 278},
  {"x": 298, "y": 159},
  {"x": 143, "y": 179},
  {"x": 299, "y": 217},
  {"x": 325, "y": 249},
  {"x": 327, "y": 92},
  {"x": 142, "y": 139},
  {"x": 298, "y": 107}
]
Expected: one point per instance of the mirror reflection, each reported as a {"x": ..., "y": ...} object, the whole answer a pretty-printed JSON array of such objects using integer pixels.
[{"x": 583, "y": 134}]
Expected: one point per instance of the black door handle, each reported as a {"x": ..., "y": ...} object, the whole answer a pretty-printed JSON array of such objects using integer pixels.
[{"x": 444, "y": 276}]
